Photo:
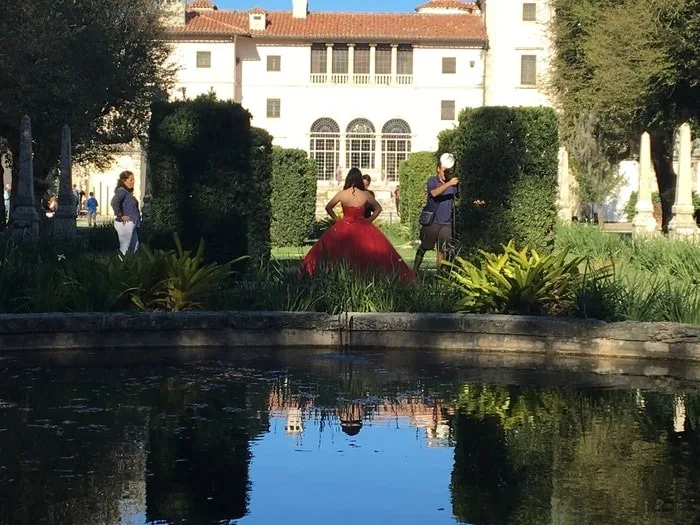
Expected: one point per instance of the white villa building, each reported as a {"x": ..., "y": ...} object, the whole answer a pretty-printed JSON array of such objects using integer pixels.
[{"x": 353, "y": 89}]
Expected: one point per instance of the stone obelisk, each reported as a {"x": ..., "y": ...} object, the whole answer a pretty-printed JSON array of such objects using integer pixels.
[
  {"x": 683, "y": 223},
  {"x": 565, "y": 210},
  {"x": 25, "y": 219},
  {"x": 644, "y": 222},
  {"x": 63, "y": 224}
]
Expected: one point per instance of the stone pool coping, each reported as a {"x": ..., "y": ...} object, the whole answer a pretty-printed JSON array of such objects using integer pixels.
[{"x": 466, "y": 332}]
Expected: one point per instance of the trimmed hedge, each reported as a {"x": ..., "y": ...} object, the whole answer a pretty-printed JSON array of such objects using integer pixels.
[
  {"x": 414, "y": 173},
  {"x": 293, "y": 196},
  {"x": 259, "y": 207},
  {"x": 506, "y": 157},
  {"x": 210, "y": 175}
]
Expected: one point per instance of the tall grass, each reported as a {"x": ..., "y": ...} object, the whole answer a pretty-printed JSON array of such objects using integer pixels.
[
  {"x": 655, "y": 279},
  {"x": 333, "y": 290}
]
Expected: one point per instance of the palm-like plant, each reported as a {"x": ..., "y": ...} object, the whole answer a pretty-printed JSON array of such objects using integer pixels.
[{"x": 516, "y": 282}]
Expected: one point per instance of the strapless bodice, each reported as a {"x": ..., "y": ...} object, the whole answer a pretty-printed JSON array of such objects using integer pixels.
[{"x": 353, "y": 213}]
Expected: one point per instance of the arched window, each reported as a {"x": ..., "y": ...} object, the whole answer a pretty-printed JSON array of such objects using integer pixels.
[
  {"x": 325, "y": 147},
  {"x": 360, "y": 144},
  {"x": 396, "y": 145}
]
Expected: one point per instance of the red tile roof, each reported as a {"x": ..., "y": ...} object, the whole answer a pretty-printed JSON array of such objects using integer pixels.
[
  {"x": 202, "y": 4},
  {"x": 373, "y": 27},
  {"x": 450, "y": 4}
]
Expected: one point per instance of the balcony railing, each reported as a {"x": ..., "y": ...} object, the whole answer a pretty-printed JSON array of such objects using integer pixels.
[
  {"x": 362, "y": 79},
  {"x": 383, "y": 80},
  {"x": 339, "y": 78}
]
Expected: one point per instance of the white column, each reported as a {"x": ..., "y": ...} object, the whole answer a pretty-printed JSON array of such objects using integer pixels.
[
  {"x": 683, "y": 223},
  {"x": 565, "y": 211},
  {"x": 378, "y": 154},
  {"x": 351, "y": 62},
  {"x": 394, "y": 61},
  {"x": 679, "y": 414},
  {"x": 343, "y": 152},
  {"x": 329, "y": 62},
  {"x": 644, "y": 222},
  {"x": 372, "y": 58}
]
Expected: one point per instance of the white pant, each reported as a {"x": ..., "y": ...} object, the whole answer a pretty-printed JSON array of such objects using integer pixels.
[{"x": 128, "y": 238}]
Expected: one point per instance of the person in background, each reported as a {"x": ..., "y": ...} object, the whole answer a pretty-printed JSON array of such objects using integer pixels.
[
  {"x": 76, "y": 200},
  {"x": 91, "y": 206},
  {"x": 127, "y": 216},
  {"x": 437, "y": 234},
  {"x": 396, "y": 200},
  {"x": 368, "y": 208}
]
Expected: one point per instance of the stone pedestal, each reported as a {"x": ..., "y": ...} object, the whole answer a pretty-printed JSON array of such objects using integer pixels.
[
  {"x": 24, "y": 220},
  {"x": 683, "y": 223},
  {"x": 644, "y": 222},
  {"x": 63, "y": 225}
]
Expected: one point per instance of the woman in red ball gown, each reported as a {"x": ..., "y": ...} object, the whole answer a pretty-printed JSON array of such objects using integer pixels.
[{"x": 354, "y": 239}]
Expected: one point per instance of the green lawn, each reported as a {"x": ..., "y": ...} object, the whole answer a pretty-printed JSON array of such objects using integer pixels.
[{"x": 395, "y": 234}]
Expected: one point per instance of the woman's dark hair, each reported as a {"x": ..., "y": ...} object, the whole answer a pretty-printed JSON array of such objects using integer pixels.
[
  {"x": 122, "y": 177},
  {"x": 354, "y": 180}
]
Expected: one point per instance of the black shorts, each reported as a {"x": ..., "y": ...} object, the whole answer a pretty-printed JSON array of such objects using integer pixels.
[{"x": 436, "y": 234}]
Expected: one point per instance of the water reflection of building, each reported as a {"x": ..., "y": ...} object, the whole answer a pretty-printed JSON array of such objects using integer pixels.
[{"x": 430, "y": 416}]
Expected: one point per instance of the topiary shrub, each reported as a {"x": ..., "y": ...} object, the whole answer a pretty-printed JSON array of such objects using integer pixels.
[
  {"x": 259, "y": 208},
  {"x": 414, "y": 173},
  {"x": 210, "y": 176},
  {"x": 293, "y": 196},
  {"x": 507, "y": 160}
]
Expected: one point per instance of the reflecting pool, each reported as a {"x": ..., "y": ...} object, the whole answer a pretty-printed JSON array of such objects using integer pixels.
[{"x": 271, "y": 437}]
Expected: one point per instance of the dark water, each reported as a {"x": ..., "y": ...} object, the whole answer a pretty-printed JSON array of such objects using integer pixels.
[{"x": 324, "y": 438}]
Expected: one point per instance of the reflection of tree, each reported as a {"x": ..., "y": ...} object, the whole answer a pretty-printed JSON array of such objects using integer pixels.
[
  {"x": 547, "y": 456},
  {"x": 67, "y": 460},
  {"x": 199, "y": 456}
]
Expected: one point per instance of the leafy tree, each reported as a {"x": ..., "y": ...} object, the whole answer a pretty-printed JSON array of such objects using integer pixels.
[
  {"x": 96, "y": 65},
  {"x": 597, "y": 177},
  {"x": 634, "y": 64}
]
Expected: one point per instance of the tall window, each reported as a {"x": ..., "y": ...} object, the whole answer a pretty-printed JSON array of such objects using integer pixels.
[
  {"x": 382, "y": 60},
  {"x": 404, "y": 59},
  {"x": 361, "y": 60},
  {"x": 203, "y": 59},
  {"x": 447, "y": 110},
  {"x": 528, "y": 70},
  {"x": 359, "y": 144},
  {"x": 340, "y": 59},
  {"x": 325, "y": 147},
  {"x": 318, "y": 58},
  {"x": 529, "y": 12},
  {"x": 396, "y": 145}
]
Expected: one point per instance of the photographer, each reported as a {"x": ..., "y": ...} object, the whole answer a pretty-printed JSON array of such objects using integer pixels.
[{"x": 437, "y": 215}]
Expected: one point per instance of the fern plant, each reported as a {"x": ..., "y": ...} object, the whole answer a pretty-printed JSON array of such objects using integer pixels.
[{"x": 188, "y": 279}]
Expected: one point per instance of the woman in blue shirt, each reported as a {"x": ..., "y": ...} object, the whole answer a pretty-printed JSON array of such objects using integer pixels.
[{"x": 126, "y": 213}]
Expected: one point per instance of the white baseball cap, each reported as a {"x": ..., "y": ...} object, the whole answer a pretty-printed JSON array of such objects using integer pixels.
[{"x": 447, "y": 161}]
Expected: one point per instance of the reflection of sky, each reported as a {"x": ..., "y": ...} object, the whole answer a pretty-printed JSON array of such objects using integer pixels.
[{"x": 385, "y": 473}]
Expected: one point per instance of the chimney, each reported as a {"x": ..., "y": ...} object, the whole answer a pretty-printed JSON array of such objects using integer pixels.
[
  {"x": 257, "y": 19},
  {"x": 300, "y": 8}
]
